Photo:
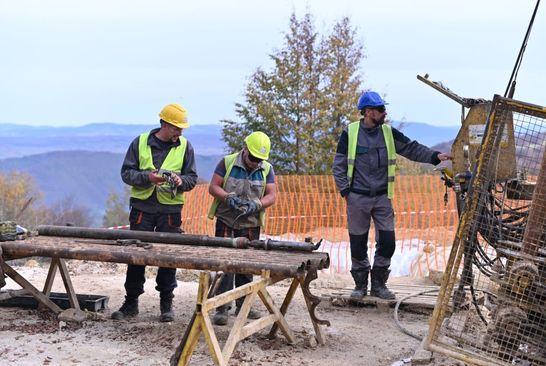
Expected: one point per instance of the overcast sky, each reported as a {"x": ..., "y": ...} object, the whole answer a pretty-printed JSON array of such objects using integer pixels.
[{"x": 75, "y": 62}]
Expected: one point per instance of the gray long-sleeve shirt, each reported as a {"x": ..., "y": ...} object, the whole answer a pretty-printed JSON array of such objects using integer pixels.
[
  {"x": 371, "y": 161},
  {"x": 133, "y": 176}
]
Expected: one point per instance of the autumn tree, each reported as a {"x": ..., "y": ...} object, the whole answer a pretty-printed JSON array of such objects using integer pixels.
[
  {"x": 116, "y": 213},
  {"x": 307, "y": 98},
  {"x": 68, "y": 212},
  {"x": 19, "y": 199}
]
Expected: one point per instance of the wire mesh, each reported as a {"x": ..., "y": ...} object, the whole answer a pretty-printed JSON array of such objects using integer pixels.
[{"x": 496, "y": 272}]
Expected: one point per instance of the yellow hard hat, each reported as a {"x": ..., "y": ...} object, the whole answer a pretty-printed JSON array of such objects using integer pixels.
[
  {"x": 175, "y": 114},
  {"x": 258, "y": 144}
]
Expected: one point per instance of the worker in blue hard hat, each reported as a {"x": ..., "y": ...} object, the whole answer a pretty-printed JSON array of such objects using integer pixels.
[{"x": 364, "y": 169}]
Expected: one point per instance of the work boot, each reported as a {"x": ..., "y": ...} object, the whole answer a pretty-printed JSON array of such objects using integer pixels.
[
  {"x": 361, "y": 284},
  {"x": 379, "y": 279},
  {"x": 252, "y": 314},
  {"x": 221, "y": 316},
  {"x": 127, "y": 310},
  {"x": 166, "y": 308}
]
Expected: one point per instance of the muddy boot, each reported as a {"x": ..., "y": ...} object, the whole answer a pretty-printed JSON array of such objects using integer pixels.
[
  {"x": 379, "y": 279},
  {"x": 127, "y": 310},
  {"x": 361, "y": 284},
  {"x": 166, "y": 308},
  {"x": 252, "y": 314},
  {"x": 221, "y": 316}
]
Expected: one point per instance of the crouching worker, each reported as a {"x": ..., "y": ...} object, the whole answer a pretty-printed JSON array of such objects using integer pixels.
[
  {"x": 243, "y": 186},
  {"x": 157, "y": 198}
]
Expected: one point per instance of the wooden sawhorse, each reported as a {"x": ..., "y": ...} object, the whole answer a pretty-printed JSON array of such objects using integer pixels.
[
  {"x": 207, "y": 302},
  {"x": 72, "y": 314}
]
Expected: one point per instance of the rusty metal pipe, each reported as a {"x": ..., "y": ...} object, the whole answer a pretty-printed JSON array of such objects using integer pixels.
[
  {"x": 145, "y": 236},
  {"x": 153, "y": 257},
  {"x": 270, "y": 244},
  {"x": 172, "y": 238}
]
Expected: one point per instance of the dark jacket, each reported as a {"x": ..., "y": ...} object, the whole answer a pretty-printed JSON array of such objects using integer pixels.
[
  {"x": 133, "y": 176},
  {"x": 371, "y": 162}
]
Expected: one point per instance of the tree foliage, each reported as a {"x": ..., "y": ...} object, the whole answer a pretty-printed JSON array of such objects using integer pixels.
[
  {"x": 305, "y": 100},
  {"x": 68, "y": 212},
  {"x": 21, "y": 201},
  {"x": 116, "y": 213},
  {"x": 18, "y": 199}
]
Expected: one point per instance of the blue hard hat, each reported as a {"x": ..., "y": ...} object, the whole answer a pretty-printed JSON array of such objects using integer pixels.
[{"x": 370, "y": 99}]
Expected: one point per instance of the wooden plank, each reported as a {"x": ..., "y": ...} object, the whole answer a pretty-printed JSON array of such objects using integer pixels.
[
  {"x": 281, "y": 321},
  {"x": 212, "y": 341},
  {"x": 202, "y": 290},
  {"x": 21, "y": 281},
  {"x": 236, "y": 293},
  {"x": 191, "y": 341},
  {"x": 50, "y": 277},
  {"x": 286, "y": 302},
  {"x": 425, "y": 301},
  {"x": 257, "y": 325},
  {"x": 68, "y": 284},
  {"x": 235, "y": 333}
]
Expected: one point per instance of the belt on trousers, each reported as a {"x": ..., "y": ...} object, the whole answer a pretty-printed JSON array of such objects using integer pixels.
[{"x": 369, "y": 193}]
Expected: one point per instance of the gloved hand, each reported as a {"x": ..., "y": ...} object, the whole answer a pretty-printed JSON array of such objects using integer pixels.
[
  {"x": 233, "y": 201},
  {"x": 251, "y": 206}
]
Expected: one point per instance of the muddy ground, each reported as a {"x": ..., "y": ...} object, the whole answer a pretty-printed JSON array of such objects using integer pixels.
[{"x": 357, "y": 336}]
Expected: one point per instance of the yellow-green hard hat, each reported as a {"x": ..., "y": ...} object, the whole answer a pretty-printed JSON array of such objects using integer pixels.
[
  {"x": 175, "y": 114},
  {"x": 258, "y": 144}
]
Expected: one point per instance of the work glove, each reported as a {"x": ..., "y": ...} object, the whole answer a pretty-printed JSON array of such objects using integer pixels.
[
  {"x": 251, "y": 206},
  {"x": 233, "y": 201}
]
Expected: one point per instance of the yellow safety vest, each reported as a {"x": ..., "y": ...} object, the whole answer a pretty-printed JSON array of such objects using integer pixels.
[
  {"x": 391, "y": 154},
  {"x": 229, "y": 161},
  {"x": 173, "y": 162}
]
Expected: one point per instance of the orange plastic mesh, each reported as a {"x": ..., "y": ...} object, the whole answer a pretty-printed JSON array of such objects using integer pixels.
[{"x": 310, "y": 206}]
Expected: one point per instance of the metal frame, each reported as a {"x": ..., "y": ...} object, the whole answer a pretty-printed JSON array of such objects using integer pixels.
[{"x": 434, "y": 341}]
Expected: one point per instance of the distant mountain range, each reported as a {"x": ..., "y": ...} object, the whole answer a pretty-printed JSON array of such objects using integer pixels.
[
  {"x": 23, "y": 140},
  {"x": 87, "y": 175},
  {"x": 85, "y": 161}
]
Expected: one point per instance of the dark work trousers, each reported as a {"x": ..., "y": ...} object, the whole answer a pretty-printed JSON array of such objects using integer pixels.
[
  {"x": 224, "y": 231},
  {"x": 166, "y": 277},
  {"x": 361, "y": 210}
]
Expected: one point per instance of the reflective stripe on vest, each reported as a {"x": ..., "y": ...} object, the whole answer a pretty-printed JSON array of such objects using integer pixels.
[
  {"x": 173, "y": 162},
  {"x": 229, "y": 161},
  {"x": 352, "y": 131}
]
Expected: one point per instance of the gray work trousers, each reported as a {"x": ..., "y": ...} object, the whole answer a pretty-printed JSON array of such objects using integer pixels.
[{"x": 361, "y": 209}]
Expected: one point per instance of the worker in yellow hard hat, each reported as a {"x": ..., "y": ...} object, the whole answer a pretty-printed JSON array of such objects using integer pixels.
[
  {"x": 243, "y": 186},
  {"x": 159, "y": 166}
]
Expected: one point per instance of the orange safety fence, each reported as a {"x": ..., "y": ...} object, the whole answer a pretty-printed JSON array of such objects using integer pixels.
[{"x": 310, "y": 206}]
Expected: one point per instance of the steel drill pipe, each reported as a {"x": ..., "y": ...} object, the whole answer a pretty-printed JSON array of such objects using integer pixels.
[
  {"x": 270, "y": 244},
  {"x": 171, "y": 238},
  {"x": 144, "y": 236}
]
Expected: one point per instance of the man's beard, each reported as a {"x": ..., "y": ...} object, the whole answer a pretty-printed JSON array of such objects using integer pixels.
[{"x": 379, "y": 121}]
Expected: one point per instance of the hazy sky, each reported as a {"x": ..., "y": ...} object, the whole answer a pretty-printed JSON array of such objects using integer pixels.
[{"x": 75, "y": 62}]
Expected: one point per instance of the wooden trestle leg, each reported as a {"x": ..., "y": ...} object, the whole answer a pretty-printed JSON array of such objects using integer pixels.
[
  {"x": 240, "y": 330},
  {"x": 43, "y": 297}
]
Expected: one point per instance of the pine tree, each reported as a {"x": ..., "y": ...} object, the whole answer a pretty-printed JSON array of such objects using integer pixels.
[{"x": 305, "y": 100}]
